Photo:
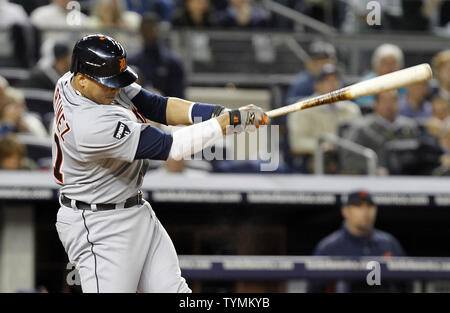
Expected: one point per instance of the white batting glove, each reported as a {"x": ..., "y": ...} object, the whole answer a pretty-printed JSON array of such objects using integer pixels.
[{"x": 248, "y": 118}]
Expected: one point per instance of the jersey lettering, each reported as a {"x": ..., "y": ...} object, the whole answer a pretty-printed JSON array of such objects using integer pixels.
[{"x": 62, "y": 126}]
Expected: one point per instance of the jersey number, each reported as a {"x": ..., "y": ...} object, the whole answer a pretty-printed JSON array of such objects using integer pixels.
[{"x": 58, "y": 162}]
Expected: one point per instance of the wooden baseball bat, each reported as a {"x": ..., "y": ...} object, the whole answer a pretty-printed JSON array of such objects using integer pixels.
[{"x": 394, "y": 80}]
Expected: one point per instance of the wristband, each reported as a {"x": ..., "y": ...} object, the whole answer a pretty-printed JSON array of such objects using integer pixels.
[
  {"x": 218, "y": 109},
  {"x": 200, "y": 112},
  {"x": 235, "y": 117}
]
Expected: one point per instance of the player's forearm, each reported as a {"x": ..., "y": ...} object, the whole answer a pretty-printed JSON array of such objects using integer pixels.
[
  {"x": 154, "y": 144},
  {"x": 177, "y": 112},
  {"x": 183, "y": 112},
  {"x": 192, "y": 139},
  {"x": 157, "y": 145},
  {"x": 224, "y": 122}
]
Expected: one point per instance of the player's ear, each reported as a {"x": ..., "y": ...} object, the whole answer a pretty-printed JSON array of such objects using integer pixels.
[{"x": 82, "y": 80}]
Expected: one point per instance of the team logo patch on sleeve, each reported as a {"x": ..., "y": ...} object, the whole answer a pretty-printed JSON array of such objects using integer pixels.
[{"x": 122, "y": 130}]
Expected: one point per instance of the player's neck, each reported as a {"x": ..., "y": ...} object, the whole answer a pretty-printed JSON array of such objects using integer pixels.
[
  {"x": 74, "y": 84},
  {"x": 76, "y": 87}
]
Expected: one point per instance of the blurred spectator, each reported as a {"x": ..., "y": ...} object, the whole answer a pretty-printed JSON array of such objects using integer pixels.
[
  {"x": 329, "y": 12},
  {"x": 387, "y": 58},
  {"x": 375, "y": 130},
  {"x": 242, "y": 13},
  {"x": 9, "y": 116},
  {"x": 19, "y": 44},
  {"x": 444, "y": 138},
  {"x": 29, "y": 5},
  {"x": 54, "y": 63},
  {"x": 302, "y": 86},
  {"x": 356, "y": 16},
  {"x": 161, "y": 68},
  {"x": 220, "y": 4},
  {"x": 113, "y": 14},
  {"x": 306, "y": 127},
  {"x": 441, "y": 66},
  {"x": 357, "y": 238},
  {"x": 56, "y": 15},
  {"x": 440, "y": 113},
  {"x": 440, "y": 108},
  {"x": 194, "y": 13},
  {"x": 413, "y": 18},
  {"x": 14, "y": 116},
  {"x": 11, "y": 13},
  {"x": 13, "y": 155},
  {"x": 433, "y": 127},
  {"x": 415, "y": 103},
  {"x": 163, "y": 8},
  {"x": 437, "y": 12}
]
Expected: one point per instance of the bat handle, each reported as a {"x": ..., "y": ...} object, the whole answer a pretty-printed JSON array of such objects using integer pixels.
[{"x": 337, "y": 95}]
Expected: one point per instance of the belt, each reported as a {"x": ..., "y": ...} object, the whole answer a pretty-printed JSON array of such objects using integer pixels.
[{"x": 130, "y": 202}]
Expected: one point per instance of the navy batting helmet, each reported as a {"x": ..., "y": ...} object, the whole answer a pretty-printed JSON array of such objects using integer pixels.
[{"x": 103, "y": 59}]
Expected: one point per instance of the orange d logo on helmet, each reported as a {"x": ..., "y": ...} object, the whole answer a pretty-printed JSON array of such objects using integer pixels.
[{"x": 122, "y": 64}]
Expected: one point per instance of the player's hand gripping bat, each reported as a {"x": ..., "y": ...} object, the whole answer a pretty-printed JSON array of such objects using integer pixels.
[{"x": 394, "y": 80}]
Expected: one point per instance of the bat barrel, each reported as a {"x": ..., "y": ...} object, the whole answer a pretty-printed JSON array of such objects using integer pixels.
[{"x": 395, "y": 80}]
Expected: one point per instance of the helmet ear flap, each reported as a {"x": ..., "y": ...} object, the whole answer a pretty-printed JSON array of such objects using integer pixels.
[{"x": 74, "y": 65}]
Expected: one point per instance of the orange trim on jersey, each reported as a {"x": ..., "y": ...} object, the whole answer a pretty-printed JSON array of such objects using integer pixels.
[
  {"x": 58, "y": 154},
  {"x": 139, "y": 116},
  {"x": 65, "y": 131}
]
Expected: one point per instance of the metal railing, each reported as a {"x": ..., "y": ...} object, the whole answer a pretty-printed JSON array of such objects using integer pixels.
[
  {"x": 368, "y": 154},
  {"x": 299, "y": 18}
]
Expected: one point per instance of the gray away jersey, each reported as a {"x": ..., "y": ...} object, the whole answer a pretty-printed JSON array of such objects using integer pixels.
[{"x": 94, "y": 145}]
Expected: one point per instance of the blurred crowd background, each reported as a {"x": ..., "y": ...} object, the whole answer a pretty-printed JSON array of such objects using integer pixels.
[
  {"x": 236, "y": 52},
  {"x": 281, "y": 50}
]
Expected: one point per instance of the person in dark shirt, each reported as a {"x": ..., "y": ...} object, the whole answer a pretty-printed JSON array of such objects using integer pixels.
[
  {"x": 46, "y": 74},
  {"x": 415, "y": 103},
  {"x": 163, "y": 8},
  {"x": 161, "y": 68},
  {"x": 437, "y": 12},
  {"x": 242, "y": 14},
  {"x": 302, "y": 86},
  {"x": 194, "y": 13},
  {"x": 357, "y": 237},
  {"x": 219, "y": 4}
]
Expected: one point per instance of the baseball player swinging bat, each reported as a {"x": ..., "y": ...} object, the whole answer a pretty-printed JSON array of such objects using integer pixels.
[{"x": 398, "y": 79}]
